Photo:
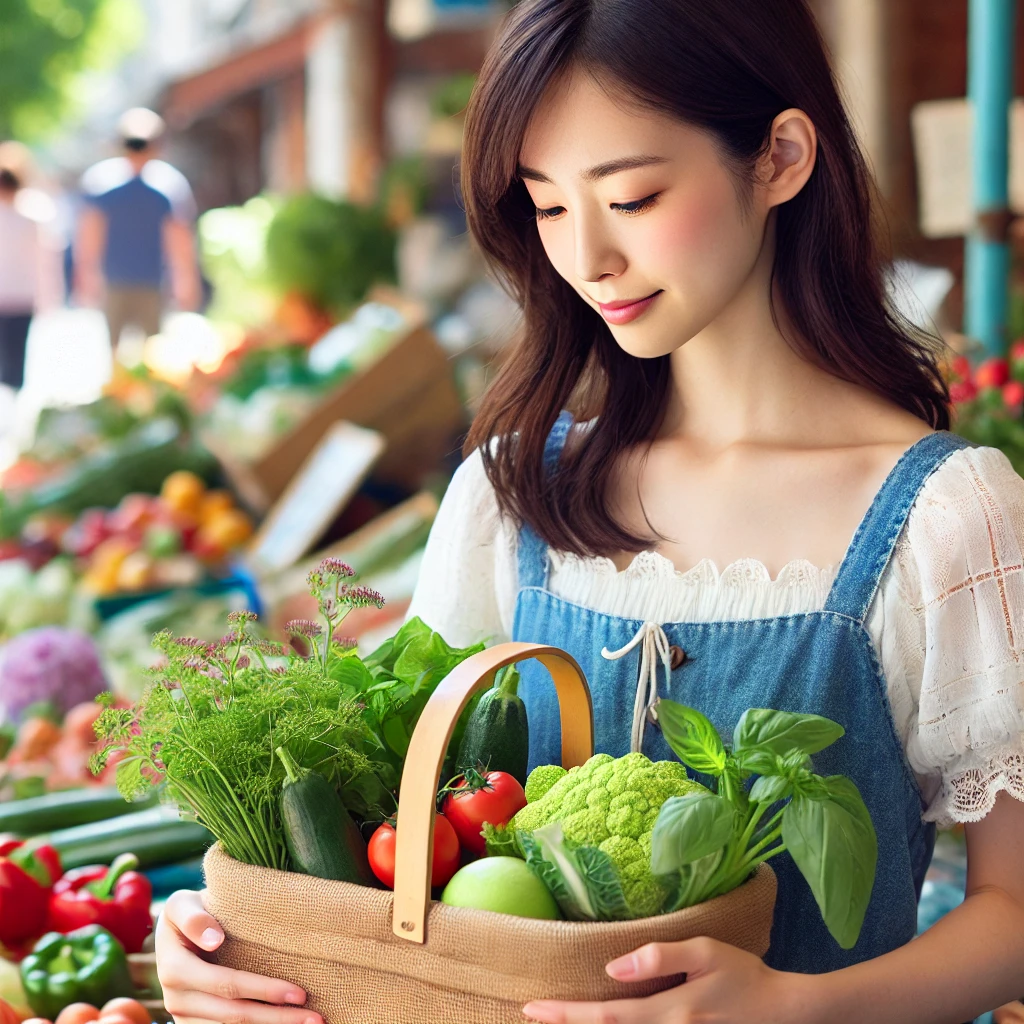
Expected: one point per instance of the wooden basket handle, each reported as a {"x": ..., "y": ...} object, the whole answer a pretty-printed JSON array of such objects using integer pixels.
[{"x": 421, "y": 775}]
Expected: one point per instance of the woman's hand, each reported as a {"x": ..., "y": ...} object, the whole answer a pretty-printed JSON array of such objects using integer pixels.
[
  {"x": 198, "y": 992},
  {"x": 1011, "y": 1013},
  {"x": 723, "y": 984}
]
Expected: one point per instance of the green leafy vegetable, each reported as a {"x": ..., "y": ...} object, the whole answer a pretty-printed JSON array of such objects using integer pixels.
[
  {"x": 211, "y": 720},
  {"x": 692, "y": 736},
  {"x": 705, "y": 844},
  {"x": 582, "y": 879}
]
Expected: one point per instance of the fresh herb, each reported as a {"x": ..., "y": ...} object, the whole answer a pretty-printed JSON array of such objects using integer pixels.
[
  {"x": 209, "y": 724},
  {"x": 708, "y": 842}
]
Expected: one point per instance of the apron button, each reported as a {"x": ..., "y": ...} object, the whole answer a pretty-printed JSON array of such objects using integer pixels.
[{"x": 678, "y": 656}]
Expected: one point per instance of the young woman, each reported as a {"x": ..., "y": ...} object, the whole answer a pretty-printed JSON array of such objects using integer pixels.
[{"x": 672, "y": 191}]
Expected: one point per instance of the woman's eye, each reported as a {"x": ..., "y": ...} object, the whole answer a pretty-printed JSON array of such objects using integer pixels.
[
  {"x": 627, "y": 208},
  {"x": 551, "y": 211},
  {"x": 639, "y": 206}
]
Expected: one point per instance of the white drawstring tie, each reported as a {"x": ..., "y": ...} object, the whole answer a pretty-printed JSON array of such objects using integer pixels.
[{"x": 655, "y": 645}]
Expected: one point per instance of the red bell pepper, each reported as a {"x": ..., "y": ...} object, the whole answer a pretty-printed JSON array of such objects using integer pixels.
[
  {"x": 27, "y": 874},
  {"x": 117, "y": 898}
]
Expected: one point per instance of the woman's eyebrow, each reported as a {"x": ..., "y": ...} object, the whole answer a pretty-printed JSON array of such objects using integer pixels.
[{"x": 598, "y": 171}]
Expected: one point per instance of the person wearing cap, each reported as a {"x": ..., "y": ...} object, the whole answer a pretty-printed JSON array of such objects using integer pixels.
[
  {"x": 28, "y": 259},
  {"x": 136, "y": 240}
]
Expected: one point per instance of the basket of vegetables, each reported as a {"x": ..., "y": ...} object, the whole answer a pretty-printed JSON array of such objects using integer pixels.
[
  {"x": 371, "y": 955},
  {"x": 481, "y": 894}
]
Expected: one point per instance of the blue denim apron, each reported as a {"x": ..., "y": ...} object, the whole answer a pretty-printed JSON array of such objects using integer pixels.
[{"x": 818, "y": 662}]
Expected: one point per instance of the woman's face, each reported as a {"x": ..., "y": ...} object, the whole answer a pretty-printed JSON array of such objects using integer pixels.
[{"x": 633, "y": 205}]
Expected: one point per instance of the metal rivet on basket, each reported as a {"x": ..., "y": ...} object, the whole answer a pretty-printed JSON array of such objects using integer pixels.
[
  {"x": 678, "y": 656},
  {"x": 408, "y": 926}
]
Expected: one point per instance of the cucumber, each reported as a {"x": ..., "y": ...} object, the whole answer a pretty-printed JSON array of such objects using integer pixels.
[
  {"x": 156, "y": 836},
  {"x": 497, "y": 734},
  {"x": 66, "y": 809},
  {"x": 321, "y": 837}
]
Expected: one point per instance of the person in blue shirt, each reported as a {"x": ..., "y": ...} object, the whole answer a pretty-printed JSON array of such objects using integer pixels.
[{"x": 135, "y": 242}]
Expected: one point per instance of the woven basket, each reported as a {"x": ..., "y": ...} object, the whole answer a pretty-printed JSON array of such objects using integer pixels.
[{"x": 366, "y": 956}]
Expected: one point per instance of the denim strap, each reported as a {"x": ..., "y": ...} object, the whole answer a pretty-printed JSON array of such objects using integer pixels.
[
  {"x": 872, "y": 546},
  {"x": 532, "y": 558}
]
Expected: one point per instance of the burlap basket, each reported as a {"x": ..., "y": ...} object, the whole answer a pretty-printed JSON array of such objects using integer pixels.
[{"x": 367, "y": 956}]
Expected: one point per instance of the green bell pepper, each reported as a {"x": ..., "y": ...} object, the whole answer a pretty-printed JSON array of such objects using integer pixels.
[{"x": 87, "y": 965}]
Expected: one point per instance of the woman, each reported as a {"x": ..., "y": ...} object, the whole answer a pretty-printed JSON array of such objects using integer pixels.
[
  {"x": 22, "y": 261},
  {"x": 673, "y": 192}
]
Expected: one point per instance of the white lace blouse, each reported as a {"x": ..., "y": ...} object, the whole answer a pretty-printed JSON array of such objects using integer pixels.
[{"x": 947, "y": 621}]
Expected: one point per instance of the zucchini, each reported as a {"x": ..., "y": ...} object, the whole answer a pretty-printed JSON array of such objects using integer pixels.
[
  {"x": 321, "y": 837},
  {"x": 65, "y": 809},
  {"x": 156, "y": 836},
  {"x": 497, "y": 734}
]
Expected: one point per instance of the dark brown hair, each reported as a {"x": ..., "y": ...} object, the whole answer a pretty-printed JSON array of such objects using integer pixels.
[{"x": 728, "y": 68}]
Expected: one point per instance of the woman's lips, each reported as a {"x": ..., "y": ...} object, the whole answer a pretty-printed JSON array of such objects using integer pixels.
[{"x": 623, "y": 313}]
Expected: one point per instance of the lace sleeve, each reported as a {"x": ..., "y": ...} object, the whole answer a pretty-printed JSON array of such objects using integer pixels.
[
  {"x": 457, "y": 593},
  {"x": 967, "y": 535}
]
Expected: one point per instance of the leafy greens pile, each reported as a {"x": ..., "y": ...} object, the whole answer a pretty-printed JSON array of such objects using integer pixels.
[
  {"x": 706, "y": 843},
  {"x": 208, "y": 725}
]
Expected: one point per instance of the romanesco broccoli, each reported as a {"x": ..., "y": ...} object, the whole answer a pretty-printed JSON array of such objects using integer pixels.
[
  {"x": 612, "y": 803},
  {"x": 541, "y": 779}
]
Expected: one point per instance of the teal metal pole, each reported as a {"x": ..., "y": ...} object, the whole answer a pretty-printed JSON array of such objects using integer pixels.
[{"x": 989, "y": 88}]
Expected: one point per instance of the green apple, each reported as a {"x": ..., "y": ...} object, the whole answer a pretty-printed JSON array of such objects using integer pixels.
[{"x": 502, "y": 884}]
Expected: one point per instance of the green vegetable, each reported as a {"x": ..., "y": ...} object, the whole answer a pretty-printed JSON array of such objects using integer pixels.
[
  {"x": 208, "y": 728},
  {"x": 497, "y": 734},
  {"x": 541, "y": 779},
  {"x": 87, "y": 965},
  {"x": 321, "y": 836},
  {"x": 331, "y": 251},
  {"x": 139, "y": 462},
  {"x": 155, "y": 836},
  {"x": 504, "y": 885},
  {"x": 609, "y": 803},
  {"x": 66, "y": 808},
  {"x": 707, "y": 843},
  {"x": 583, "y": 879}
]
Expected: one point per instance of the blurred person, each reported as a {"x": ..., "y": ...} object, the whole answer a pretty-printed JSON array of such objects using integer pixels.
[
  {"x": 27, "y": 260},
  {"x": 138, "y": 220}
]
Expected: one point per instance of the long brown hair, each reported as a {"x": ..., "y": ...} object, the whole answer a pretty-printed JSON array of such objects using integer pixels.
[{"x": 728, "y": 68}]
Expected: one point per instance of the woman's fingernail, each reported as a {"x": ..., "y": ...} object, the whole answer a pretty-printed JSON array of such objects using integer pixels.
[
  {"x": 624, "y": 967},
  {"x": 313, "y": 1020},
  {"x": 211, "y": 938},
  {"x": 295, "y": 997}
]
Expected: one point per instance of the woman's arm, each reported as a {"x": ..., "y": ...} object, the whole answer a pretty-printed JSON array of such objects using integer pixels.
[{"x": 969, "y": 962}]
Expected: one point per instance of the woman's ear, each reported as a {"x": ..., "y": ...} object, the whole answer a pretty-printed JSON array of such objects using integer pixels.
[{"x": 787, "y": 164}]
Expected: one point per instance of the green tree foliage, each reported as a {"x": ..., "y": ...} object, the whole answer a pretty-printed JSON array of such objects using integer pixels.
[{"x": 45, "y": 45}]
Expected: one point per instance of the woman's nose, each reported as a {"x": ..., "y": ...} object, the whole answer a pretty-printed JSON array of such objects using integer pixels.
[{"x": 596, "y": 254}]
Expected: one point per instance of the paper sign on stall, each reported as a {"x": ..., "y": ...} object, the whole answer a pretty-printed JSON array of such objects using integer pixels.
[{"x": 320, "y": 489}]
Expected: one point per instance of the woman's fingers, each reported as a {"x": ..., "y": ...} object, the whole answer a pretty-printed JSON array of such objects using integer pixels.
[
  {"x": 657, "y": 959},
  {"x": 187, "y": 1006},
  {"x": 185, "y": 911},
  {"x": 621, "y": 1011}
]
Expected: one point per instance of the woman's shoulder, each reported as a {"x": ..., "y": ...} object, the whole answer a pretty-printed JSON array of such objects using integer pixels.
[{"x": 968, "y": 519}]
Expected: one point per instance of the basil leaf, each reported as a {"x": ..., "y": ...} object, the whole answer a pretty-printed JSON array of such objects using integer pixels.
[
  {"x": 692, "y": 737},
  {"x": 688, "y": 828},
  {"x": 760, "y": 762},
  {"x": 690, "y": 885},
  {"x": 833, "y": 844},
  {"x": 769, "y": 789},
  {"x": 780, "y": 731},
  {"x": 808, "y": 784}
]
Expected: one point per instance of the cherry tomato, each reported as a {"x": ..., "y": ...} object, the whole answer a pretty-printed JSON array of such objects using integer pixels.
[
  {"x": 125, "y": 1007},
  {"x": 77, "y": 1013},
  {"x": 447, "y": 855},
  {"x": 496, "y": 802}
]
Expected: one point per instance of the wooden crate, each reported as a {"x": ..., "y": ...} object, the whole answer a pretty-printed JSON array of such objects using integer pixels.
[{"x": 409, "y": 395}]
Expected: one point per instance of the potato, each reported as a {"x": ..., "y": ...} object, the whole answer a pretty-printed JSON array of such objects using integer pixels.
[{"x": 78, "y": 1013}]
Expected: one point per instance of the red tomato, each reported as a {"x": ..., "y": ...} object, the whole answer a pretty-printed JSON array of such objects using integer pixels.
[
  {"x": 496, "y": 802},
  {"x": 447, "y": 855}
]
